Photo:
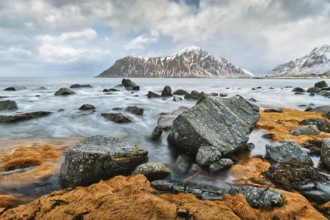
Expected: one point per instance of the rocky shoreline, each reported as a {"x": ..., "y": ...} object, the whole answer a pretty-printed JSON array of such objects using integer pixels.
[{"x": 211, "y": 138}]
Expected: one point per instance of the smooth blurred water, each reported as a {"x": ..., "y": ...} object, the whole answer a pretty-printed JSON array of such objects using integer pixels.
[{"x": 71, "y": 122}]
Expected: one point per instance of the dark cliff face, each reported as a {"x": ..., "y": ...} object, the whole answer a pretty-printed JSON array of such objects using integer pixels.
[
  {"x": 190, "y": 62},
  {"x": 316, "y": 62}
]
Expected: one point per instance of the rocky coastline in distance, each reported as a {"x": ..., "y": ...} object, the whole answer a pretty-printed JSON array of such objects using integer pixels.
[{"x": 211, "y": 137}]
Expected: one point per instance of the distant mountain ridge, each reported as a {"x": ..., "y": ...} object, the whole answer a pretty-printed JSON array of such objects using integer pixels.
[
  {"x": 191, "y": 62},
  {"x": 316, "y": 62}
]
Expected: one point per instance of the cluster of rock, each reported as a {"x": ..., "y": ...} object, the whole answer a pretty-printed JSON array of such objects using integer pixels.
[{"x": 319, "y": 88}]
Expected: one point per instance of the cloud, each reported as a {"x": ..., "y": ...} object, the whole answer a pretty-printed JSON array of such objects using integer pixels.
[{"x": 140, "y": 41}]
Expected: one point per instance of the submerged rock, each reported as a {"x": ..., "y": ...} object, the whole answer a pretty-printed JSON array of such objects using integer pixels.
[
  {"x": 14, "y": 88},
  {"x": 313, "y": 90},
  {"x": 64, "y": 92},
  {"x": 134, "y": 110},
  {"x": 87, "y": 107},
  {"x": 223, "y": 123},
  {"x": 77, "y": 86},
  {"x": 97, "y": 158},
  {"x": 167, "y": 91},
  {"x": 117, "y": 117},
  {"x": 153, "y": 171},
  {"x": 305, "y": 130},
  {"x": 321, "y": 84},
  {"x": 325, "y": 152},
  {"x": 180, "y": 92},
  {"x": 8, "y": 105},
  {"x": 22, "y": 116},
  {"x": 152, "y": 95},
  {"x": 321, "y": 124},
  {"x": 287, "y": 152},
  {"x": 129, "y": 85},
  {"x": 298, "y": 89}
]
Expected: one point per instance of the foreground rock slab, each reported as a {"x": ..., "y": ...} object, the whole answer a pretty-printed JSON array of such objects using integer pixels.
[
  {"x": 97, "y": 158},
  {"x": 223, "y": 123},
  {"x": 22, "y": 116}
]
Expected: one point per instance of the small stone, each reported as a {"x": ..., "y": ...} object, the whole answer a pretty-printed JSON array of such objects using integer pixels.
[
  {"x": 156, "y": 133},
  {"x": 220, "y": 165},
  {"x": 321, "y": 84},
  {"x": 117, "y": 117},
  {"x": 152, "y": 170},
  {"x": 207, "y": 155},
  {"x": 298, "y": 89},
  {"x": 167, "y": 91},
  {"x": 153, "y": 95},
  {"x": 135, "y": 110},
  {"x": 8, "y": 105},
  {"x": 183, "y": 163},
  {"x": 77, "y": 86},
  {"x": 305, "y": 130},
  {"x": 268, "y": 136},
  {"x": 87, "y": 107},
  {"x": 274, "y": 110},
  {"x": 223, "y": 94},
  {"x": 64, "y": 92},
  {"x": 14, "y": 88},
  {"x": 325, "y": 152}
]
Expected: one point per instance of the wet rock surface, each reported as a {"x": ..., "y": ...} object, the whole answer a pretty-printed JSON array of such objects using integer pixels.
[
  {"x": 156, "y": 134},
  {"x": 167, "y": 92},
  {"x": 97, "y": 158},
  {"x": 152, "y": 170},
  {"x": 152, "y": 95},
  {"x": 313, "y": 90},
  {"x": 321, "y": 124},
  {"x": 87, "y": 107},
  {"x": 129, "y": 85},
  {"x": 324, "y": 109},
  {"x": 22, "y": 116},
  {"x": 305, "y": 130},
  {"x": 287, "y": 152},
  {"x": 207, "y": 155},
  {"x": 321, "y": 84},
  {"x": 222, "y": 123},
  {"x": 8, "y": 105},
  {"x": 193, "y": 95},
  {"x": 325, "y": 152},
  {"x": 183, "y": 163},
  {"x": 77, "y": 86},
  {"x": 14, "y": 88},
  {"x": 117, "y": 117},
  {"x": 220, "y": 165},
  {"x": 64, "y": 92},
  {"x": 276, "y": 110},
  {"x": 135, "y": 110}
]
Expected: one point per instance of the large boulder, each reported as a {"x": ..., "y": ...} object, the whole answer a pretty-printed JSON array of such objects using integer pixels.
[
  {"x": 325, "y": 152},
  {"x": 321, "y": 84},
  {"x": 321, "y": 124},
  {"x": 8, "y": 105},
  {"x": 287, "y": 152},
  {"x": 97, "y": 158},
  {"x": 129, "y": 85},
  {"x": 64, "y": 92},
  {"x": 223, "y": 123},
  {"x": 22, "y": 116}
]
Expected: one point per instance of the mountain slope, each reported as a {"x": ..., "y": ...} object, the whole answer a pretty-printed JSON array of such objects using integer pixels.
[
  {"x": 190, "y": 62},
  {"x": 316, "y": 62}
]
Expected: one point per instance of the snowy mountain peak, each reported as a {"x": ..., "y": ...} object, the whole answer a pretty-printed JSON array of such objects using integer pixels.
[
  {"x": 190, "y": 62},
  {"x": 316, "y": 62}
]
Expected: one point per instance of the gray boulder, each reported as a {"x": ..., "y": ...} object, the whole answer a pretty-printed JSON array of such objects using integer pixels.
[
  {"x": 153, "y": 171},
  {"x": 152, "y": 95},
  {"x": 220, "y": 165},
  {"x": 22, "y": 116},
  {"x": 156, "y": 134},
  {"x": 87, "y": 107},
  {"x": 313, "y": 90},
  {"x": 180, "y": 92},
  {"x": 97, "y": 158},
  {"x": 117, "y": 117},
  {"x": 287, "y": 152},
  {"x": 64, "y": 92},
  {"x": 321, "y": 124},
  {"x": 8, "y": 105},
  {"x": 207, "y": 155},
  {"x": 135, "y": 110},
  {"x": 129, "y": 85},
  {"x": 325, "y": 152},
  {"x": 223, "y": 123},
  {"x": 321, "y": 84},
  {"x": 14, "y": 88},
  {"x": 324, "y": 109},
  {"x": 167, "y": 91},
  {"x": 194, "y": 95},
  {"x": 305, "y": 130}
]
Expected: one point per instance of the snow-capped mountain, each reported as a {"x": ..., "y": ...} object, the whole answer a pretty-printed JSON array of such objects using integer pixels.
[
  {"x": 191, "y": 62},
  {"x": 316, "y": 62}
]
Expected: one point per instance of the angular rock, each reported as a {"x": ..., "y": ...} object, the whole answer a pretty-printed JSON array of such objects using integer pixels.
[
  {"x": 156, "y": 134},
  {"x": 97, "y": 158},
  {"x": 129, "y": 85},
  {"x": 64, "y": 92},
  {"x": 298, "y": 89},
  {"x": 153, "y": 171},
  {"x": 321, "y": 84},
  {"x": 180, "y": 92},
  {"x": 22, "y": 116},
  {"x": 220, "y": 165},
  {"x": 325, "y": 152},
  {"x": 321, "y": 124},
  {"x": 313, "y": 90},
  {"x": 167, "y": 91},
  {"x": 77, "y": 86},
  {"x": 14, "y": 88},
  {"x": 223, "y": 123},
  {"x": 152, "y": 95},
  {"x": 207, "y": 155},
  {"x": 87, "y": 107},
  {"x": 305, "y": 130},
  {"x": 8, "y": 105},
  {"x": 183, "y": 163},
  {"x": 287, "y": 152},
  {"x": 135, "y": 110},
  {"x": 117, "y": 117},
  {"x": 275, "y": 110}
]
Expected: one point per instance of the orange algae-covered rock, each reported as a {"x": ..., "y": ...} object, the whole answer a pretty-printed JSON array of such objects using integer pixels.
[
  {"x": 281, "y": 124},
  {"x": 133, "y": 198}
]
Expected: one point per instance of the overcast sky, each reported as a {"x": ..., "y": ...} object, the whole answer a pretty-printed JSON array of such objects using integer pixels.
[{"x": 84, "y": 37}]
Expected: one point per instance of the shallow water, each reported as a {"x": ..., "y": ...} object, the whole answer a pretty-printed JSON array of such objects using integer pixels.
[{"x": 71, "y": 122}]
